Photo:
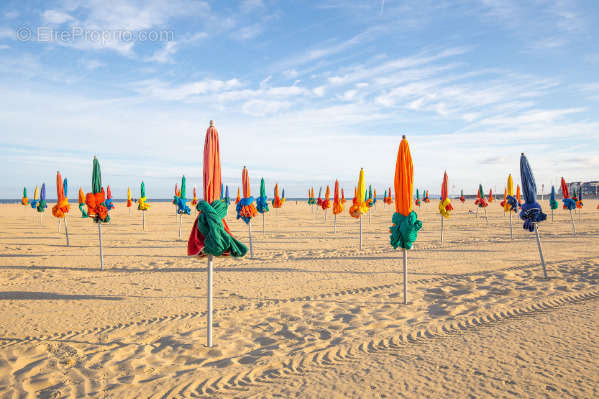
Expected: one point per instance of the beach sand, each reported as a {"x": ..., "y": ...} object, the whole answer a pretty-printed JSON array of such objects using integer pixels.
[{"x": 309, "y": 316}]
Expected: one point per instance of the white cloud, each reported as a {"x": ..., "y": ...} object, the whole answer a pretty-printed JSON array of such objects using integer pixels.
[
  {"x": 6, "y": 33},
  {"x": 248, "y": 32},
  {"x": 164, "y": 55},
  {"x": 92, "y": 65},
  {"x": 262, "y": 108},
  {"x": 161, "y": 90},
  {"x": 11, "y": 14},
  {"x": 319, "y": 91},
  {"x": 4, "y": 46},
  {"x": 56, "y": 17}
]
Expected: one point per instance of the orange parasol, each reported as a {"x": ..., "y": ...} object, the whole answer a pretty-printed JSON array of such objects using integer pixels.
[
  {"x": 246, "y": 210},
  {"x": 405, "y": 226}
]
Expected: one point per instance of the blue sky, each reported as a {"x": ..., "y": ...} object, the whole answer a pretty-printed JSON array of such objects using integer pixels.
[{"x": 301, "y": 92}]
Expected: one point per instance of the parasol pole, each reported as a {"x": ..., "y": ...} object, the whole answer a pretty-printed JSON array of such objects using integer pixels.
[
  {"x": 325, "y": 215},
  {"x": 442, "y": 229},
  {"x": 180, "y": 217},
  {"x": 129, "y": 211},
  {"x": 360, "y": 232},
  {"x": 143, "y": 220},
  {"x": 511, "y": 234},
  {"x": 486, "y": 218},
  {"x": 101, "y": 252},
  {"x": 335, "y": 224},
  {"x": 540, "y": 250},
  {"x": 209, "y": 314},
  {"x": 572, "y": 220},
  {"x": 263, "y": 233},
  {"x": 59, "y": 223},
  {"x": 405, "y": 276},
  {"x": 551, "y": 215},
  {"x": 66, "y": 231},
  {"x": 251, "y": 246}
]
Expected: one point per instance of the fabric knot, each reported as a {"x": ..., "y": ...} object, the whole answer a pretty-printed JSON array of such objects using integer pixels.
[
  {"x": 531, "y": 214},
  {"x": 262, "y": 204},
  {"x": 404, "y": 230},
  {"x": 569, "y": 203},
  {"x": 246, "y": 209}
]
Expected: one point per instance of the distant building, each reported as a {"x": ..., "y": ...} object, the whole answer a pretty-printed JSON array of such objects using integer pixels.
[{"x": 589, "y": 188}]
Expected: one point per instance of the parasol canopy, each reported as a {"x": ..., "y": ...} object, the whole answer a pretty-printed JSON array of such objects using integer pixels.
[
  {"x": 553, "y": 204},
  {"x": 246, "y": 209},
  {"x": 404, "y": 230},
  {"x": 262, "y": 200},
  {"x": 180, "y": 201},
  {"x": 24, "y": 200},
  {"x": 142, "y": 205},
  {"x": 337, "y": 204},
  {"x": 359, "y": 207},
  {"x": 579, "y": 203},
  {"x": 82, "y": 203},
  {"x": 326, "y": 202},
  {"x": 531, "y": 210},
  {"x": 369, "y": 200},
  {"x": 491, "y": 199},
  {"x": 96, "y": 200},
  {"x": 569, "y": 203},
  {"x": 343, "y": 196},
  {"x": 276, "y": 201},
  {"x": 227, "y": 197},
  {"x": 480, "y": 198},
  {"x": 462, "y": 196},
  {"x": 210, "y": 234},
  {"x": 109, "y": 204},
  {"x": 62, "y": 207},
  {"x": 41, "y": 206},
  {"x": 129, "y": 201},
  {"x": 444, "y": 204},
  {"x": 35, "y": 198},
  {"x": 319, "y": 199},
  {"x": 511, "y": 203}
]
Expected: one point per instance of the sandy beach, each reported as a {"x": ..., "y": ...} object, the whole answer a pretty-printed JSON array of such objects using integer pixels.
[{"x": 310, "y": 316}]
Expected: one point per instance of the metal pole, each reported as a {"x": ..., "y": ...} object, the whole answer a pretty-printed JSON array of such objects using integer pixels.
[
  {"x": 369, "y": 213},
  {"x": 551, "y": 215},
  {"x": 180, "y": 217},
  {"x": 59, "y": 223},
  {"x": 251, "y": 247},
  {"x": 572, "y": 220},
  {"x": 263, "y": 224},
  {"x": 335, "y": 224},
  {"x": 66, "y": 231},
  {"x": 143, "y": 220},
  {"x": 209, "y": 295},
  {"x": 540, "y": 250},
  {"x": 101, "y": 253},
  {"x": 442, "y": 228},
  {"x": 325, "y": 215},
  {"x": 360, "y": 232},
  {"x": 486, "y": 218},
  {"x": 405, "y": 276},
  {"x": 511, "y": 234}
]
